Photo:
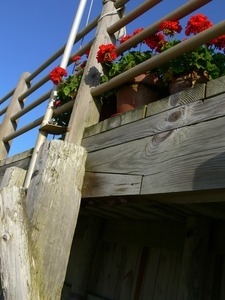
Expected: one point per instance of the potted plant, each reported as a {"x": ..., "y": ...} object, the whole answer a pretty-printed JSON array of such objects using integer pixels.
[
  {"x": 197, "y": 66},
  {"x": 66, "y": 88},
  {"x": 142, "y": 89}
]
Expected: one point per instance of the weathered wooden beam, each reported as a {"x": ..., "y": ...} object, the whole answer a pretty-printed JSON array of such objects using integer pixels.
[
  {"x": 194, "y": 258},
  {"x": 14, "y": 252},
  {"x": 98, "y": 185},
  {"x": 86, "y": 110},
  {"x": 53, "y": 201},
  {"x": 193, "y": 154},
  {"x": 7, "y": 126}
]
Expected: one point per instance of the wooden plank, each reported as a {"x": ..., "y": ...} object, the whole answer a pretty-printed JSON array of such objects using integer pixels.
[
  {"x": 53, "y": 202},
  {"x": 151, "y": 274},
  {"x": 174, "y": 275},
  {"x": 130, "y": 272},
  {"x": 215, "y": 87},
  {"x": 82, "y": 255},
  {"x": 163, "y": 275},
  {"x": 194, "y": 259},
  {"x": 118, "y": 120},
  {"x": 97, "y": 185},
  {"x": 178, "y": 99},
  {"x": 194, "y": 155},
  {"x": 161, "y": 123}
]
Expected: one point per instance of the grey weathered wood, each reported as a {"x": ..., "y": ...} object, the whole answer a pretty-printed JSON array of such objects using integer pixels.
[
  {"x": 215, "y": 87},
  {"x": 20, "y": 160},
  {"x": 53, "y": 201},
  {"x": 174, "y": 118},
  {"x": 7, "y": 126},
  {"x": 194, "y": 156},
  {"x": 97, "y": 185},
  {"x": 14, "y": 252},
  {"x": 13, "y": 176},
  {"x": 86, "y": 111},
  {"x": 194, "y": 259},
  {"x": 178, "y": 99},
  {"x": 118, "y": 120}
]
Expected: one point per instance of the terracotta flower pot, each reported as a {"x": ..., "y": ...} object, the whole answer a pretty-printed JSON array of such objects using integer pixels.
[
  {"x": 143, "y": 90},
  {"x": 187, "y": 80}
]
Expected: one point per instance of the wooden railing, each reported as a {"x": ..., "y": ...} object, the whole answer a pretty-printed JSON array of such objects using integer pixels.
[{"x": 17, "y": 109}]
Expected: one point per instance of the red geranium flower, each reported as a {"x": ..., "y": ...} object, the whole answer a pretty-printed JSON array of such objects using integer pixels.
[
  {"x": 106, "y": 53},
  {"x": 136, "y": 31},
  {"x": 219, "y": 42},
  {"x": 57, "y": 74},
  {"x": 76, "y": 58},
  {"x": 125, "y": 38},
  {"x": 170, "y": 27},
  {"x": 197, "y": 24},
  {"x": 155, "y": 42}
]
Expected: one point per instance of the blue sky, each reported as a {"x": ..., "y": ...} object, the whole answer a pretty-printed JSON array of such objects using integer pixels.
[{"x": 31, "y": 31}]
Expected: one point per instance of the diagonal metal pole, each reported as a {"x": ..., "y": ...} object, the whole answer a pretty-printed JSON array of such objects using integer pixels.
[{"x": 49, "y": 111}]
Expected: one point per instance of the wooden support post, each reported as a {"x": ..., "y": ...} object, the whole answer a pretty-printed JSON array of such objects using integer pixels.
[
  {"x": 14, "y": 252},
  {"x": 86, "y": 111},
  {"x": 194, "y": 258},
  {"x": 7, "y": 126},
  {"x": 53, "y": 201}
]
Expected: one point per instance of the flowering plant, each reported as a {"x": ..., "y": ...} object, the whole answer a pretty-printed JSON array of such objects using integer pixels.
[
  {"x": 114, "y": 64},
  {"x": 66, "y": 88},
  {"x": 199, "y": 65}
]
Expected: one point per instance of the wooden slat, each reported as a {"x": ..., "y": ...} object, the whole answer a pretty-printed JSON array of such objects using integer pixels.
[
  {"x": 97, "y": 185},
  {"x": 193, "y": 155},
  {"x": 118, "y": 120},
  {"x": 215, "y": 87},
  {"x": 177, "y": 117}
]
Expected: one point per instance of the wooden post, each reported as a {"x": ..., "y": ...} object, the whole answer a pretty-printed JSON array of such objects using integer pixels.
[
  {"x": 86, "y": 111},
  {"x": 7, "y": 126},
  {"x": 53, "y": 201},
  {"x": 14, "y": 252},
  {"x": 194, "y": 258}
]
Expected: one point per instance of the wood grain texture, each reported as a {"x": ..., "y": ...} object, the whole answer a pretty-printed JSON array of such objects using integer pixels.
[
  {"x": 194, "y": 259},
  {"x": 14, "y": 251},
  {"x": 194, "y": 156},
  {"x": 53, "y": 201},
  {"x": 97, "y": 185},
  {"x": 178, "y": 99},
  {"x": 118, "y": 120},
  {"x": 19, "y": 160},
  {"x": 86, "y": 110},
  {"x": 215, "y": 87},
  {"x": 174, "y": 118}
]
